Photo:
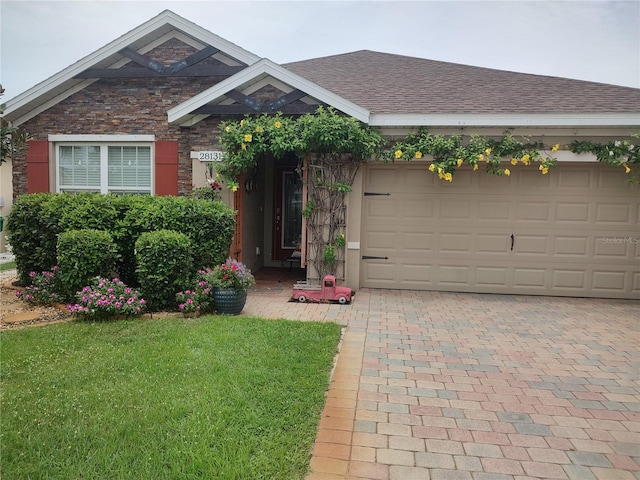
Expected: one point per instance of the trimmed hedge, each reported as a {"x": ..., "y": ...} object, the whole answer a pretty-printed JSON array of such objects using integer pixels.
[
  {"x": 83, "y": 255},
  {"x": 36, "y": 220},
  {"x": 33, "y": 234},
  {"x": 164, "y": 266}
]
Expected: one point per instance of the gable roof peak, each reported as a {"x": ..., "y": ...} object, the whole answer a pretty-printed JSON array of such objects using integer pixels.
[
  {"x": 183, "y": 114},
  {"x": 64, "y": 83}
]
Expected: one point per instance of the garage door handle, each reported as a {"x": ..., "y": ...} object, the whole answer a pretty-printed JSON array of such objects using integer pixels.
[
  {"x": 513, "y": 240},
  {"x": 369, "y": 257}
]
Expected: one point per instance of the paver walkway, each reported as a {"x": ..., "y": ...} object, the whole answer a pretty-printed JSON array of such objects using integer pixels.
[{"x": 436, "y": 386}]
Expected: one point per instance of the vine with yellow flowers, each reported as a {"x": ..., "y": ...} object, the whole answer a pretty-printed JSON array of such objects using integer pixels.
[
  {"x": 452, "y": 152},
  {"x": 335, "y": 145}
]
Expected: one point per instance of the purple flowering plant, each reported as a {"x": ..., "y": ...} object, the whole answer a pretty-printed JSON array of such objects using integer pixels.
[
  {"x": 196, "y": 300},
  {"x": 42, "y": 290},
  {"x": 107, "y": 297}
]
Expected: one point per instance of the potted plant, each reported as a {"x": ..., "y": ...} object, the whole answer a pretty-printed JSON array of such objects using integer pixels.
[{"x": 230, "y": 282}]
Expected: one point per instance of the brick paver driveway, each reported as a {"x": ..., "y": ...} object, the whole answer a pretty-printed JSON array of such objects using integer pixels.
[{"x": 463, "y": 386}]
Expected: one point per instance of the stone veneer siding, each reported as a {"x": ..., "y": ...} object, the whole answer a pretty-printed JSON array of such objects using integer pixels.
[{"x": 128, "y": 107}]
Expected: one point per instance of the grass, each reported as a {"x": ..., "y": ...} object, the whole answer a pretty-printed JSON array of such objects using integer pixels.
[
  {"x": 7, "y": 266},
  {"x": 212, "y": 397}
]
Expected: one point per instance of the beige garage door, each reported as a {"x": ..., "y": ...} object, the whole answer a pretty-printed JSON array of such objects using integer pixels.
[{"x": 573, "y": 232}]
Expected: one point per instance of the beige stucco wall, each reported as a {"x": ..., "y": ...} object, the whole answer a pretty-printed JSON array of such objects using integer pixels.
[
  {"x": 6, "y": 194},
  {"x": 353, "y": 230},
  {"x": 200, "y": 179}
]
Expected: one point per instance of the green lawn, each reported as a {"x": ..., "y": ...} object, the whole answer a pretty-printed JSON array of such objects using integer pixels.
[
  {"x": 212, "y": 397},
  {"x": 7, "y": 266}
]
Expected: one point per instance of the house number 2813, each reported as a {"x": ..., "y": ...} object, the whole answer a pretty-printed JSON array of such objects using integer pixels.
[{"x": 210, "y": 156}]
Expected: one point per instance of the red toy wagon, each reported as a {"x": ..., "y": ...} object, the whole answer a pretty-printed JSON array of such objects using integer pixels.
[{"x": 327, "y": 292}]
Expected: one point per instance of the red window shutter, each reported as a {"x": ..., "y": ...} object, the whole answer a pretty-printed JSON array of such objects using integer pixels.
[
  {"x": 37, "y": 166},
  {"x": 166, "y": 168}
]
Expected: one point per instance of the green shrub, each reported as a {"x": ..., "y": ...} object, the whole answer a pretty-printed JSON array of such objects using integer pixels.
[
  {"x": 208, "y": 224},
  {"x": 89, "y": 211},
  {"x": 164, "y": 266},
  {"x": 83, "y": 255},
  {"x": 132, "y": 220},
  {"x": 37, "y": 219},
  {"x": 32, "y": 235}
]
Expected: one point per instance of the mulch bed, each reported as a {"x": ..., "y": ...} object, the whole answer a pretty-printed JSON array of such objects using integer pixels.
[{"x": 16, "y": 313}]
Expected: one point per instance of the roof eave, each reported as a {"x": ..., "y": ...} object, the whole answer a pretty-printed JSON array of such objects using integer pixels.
[{"x": 506, "y": 120}]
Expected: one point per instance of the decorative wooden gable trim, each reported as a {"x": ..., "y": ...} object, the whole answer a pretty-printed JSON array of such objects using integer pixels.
[
  {"x": 247, "y": 104},
  {"x": 150, "y": 68},
  {"x": 301, "y": 96}
]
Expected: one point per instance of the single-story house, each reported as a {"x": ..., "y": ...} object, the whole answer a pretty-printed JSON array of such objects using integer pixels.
[{"x": 142, "y": 114}]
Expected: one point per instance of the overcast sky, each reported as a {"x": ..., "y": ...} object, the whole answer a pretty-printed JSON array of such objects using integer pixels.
[{"x": 592, "y": 40}]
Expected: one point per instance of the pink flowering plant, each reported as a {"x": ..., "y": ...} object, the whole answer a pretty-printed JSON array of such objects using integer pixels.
[
  {"x": 106, "y": 298},
  {"x": 197, "y": 299},
  {"x": 231, "y": 274},
  {"x": 43, "y": 288}
]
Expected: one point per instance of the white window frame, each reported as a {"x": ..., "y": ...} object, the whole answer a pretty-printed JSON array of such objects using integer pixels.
[{"x": 104, "y": 142}]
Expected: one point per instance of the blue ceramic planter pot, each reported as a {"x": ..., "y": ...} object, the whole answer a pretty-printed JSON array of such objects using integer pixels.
[{"x": 229, "y": 301}]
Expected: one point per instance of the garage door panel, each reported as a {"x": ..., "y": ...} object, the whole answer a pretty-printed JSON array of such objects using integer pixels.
[
  {"x": 455, "y": 243},
  {"x": 580, "y": 178},
  {"x": 381, "y": 240},
  {"x": 487, "y": 182},
  {"x": 613, "y": 213},
  {"x": 418, "y": 243},
  {"x": 492, "y": 277},
  {"x": 568, "y": 279},
  {"x": 572, "y": 212},
  {"x": 614, "y": 247},
  {"x": 531, "y": 244},
  {"x": 416, "y": 274},
  {"x": 455, "y": 209},
  {"x": 533, "y": 212},
  {"x": 530, "y": 278},
  {"x": 418, "y": 208},
  {"x": 570, "y": 236},
  {"x": 571, "y": 245},
  {"x": 453, "y": 275},
  {"x": 607, "y": 280},
  {"x": 382, "y": 178},
  {"x": 490, "y": 243},
  {"x": 380, "y": 209},
  {"x": 609, "y": 181},
  {"x": 530, "y": 180},
  {"x": 417, "y": 179},
  {"x": 494, "y": 210}
]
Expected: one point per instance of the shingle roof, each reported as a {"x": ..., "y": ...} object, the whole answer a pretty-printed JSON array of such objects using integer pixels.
[{"x": 394, "y": 84}]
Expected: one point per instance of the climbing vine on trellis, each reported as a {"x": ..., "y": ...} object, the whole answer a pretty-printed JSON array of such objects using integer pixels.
[{"x": 334, "y": 145}]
